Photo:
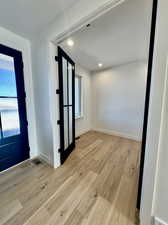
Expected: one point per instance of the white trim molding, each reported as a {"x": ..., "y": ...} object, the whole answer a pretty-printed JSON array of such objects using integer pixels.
[
  {"x": 158, "y": 221},
  {"x": 83, "y": 132},
  {"x": 95, "y": 14},
  {"x": 119, "y": 134},
  {"x": 46, "y": 159}
]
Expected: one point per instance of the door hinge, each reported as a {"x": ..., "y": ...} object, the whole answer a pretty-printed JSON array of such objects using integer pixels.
[
  {"x": 59, "y": 150},
  {"x": 58, "y": 91},
  {"x": 56, "y": 58},
  {"x": 58, "y": 122}
]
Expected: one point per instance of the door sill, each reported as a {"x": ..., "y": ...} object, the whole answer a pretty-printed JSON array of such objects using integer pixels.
[{"x": 17, "y": 165}]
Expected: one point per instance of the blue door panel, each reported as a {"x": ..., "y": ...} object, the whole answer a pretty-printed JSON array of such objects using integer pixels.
[{"x": 14, "y": 145}]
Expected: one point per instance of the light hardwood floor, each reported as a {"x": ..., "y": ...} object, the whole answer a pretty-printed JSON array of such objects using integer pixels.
[{"x": 96, "y": 186}]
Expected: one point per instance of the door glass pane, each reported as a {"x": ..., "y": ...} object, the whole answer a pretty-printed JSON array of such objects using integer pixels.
[
  {"x": 7, "y": 76},
  {"x": 9, "y": 114},
  {"x": 70, "y": 126},
  {"x": 70, "y": 83},
  {"x": 9, "y": 117},
  {"x": 65, "y": 82},
  {"x": 66, "y": 128}
]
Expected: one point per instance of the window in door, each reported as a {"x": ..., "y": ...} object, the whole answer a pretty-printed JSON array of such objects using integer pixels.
[
  {"x": 9, "y": 115},
  {"x": 78, "y": 96}
]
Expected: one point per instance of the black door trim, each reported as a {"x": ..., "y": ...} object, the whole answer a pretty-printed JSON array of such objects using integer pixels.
[{"x": 147, "y": 99}]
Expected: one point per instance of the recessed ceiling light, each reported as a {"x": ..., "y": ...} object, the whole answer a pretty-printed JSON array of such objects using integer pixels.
[
  {"x": 100, "y": 64},
  {"x": 70, "y": 42}
]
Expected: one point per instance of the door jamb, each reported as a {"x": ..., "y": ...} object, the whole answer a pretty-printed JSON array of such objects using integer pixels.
[{"x": 147, "y": 99}]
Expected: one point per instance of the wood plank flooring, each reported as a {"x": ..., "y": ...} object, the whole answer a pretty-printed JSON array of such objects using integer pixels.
[{"x": 97, "y": 185}]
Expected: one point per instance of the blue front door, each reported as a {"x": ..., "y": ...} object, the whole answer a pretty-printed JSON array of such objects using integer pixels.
[{"x": 14, "y": 147}]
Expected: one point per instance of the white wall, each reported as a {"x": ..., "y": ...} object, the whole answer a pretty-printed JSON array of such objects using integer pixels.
[
  {"x": 155, "y": 182},
  {"x": 83, "y": 124},
  {"x": 17, "y": 42},
  {"x": 44, "y": 92},
  {"x": 119, "y": 96}
]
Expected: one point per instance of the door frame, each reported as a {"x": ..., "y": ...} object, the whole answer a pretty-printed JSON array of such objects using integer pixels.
[
  {"x": 147, "y": 100},
  {"x": 64, "y": 154},
  {"x": 21, "y": 96},
  {"x": 55, "y": 41}
]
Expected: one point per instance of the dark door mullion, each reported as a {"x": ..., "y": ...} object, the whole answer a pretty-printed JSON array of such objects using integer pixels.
[
  {"x": 68, "y": 99},
  {"x": 73, "y": 101},
  {"x": 67, "y": 105},
  {"x": 7, "y": 97},
  {"x": 61, "y": 99}
]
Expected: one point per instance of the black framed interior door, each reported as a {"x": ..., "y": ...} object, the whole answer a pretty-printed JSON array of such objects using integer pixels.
[
  {"x": 66, "y": 71},
  {"x": 14, "y": 147}
]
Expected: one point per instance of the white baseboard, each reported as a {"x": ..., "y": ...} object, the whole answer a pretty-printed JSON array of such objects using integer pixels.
[
  {"x": 46, "y": 159},
  {"x": 159, "y": 221},
  {"x": 119, "y": 134},
  {"x": 83, "y": 132}
]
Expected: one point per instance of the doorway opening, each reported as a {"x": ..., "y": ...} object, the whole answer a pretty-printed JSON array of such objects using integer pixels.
[
  {"x": 14, "y": 146},
  {"x": 119, "y": 66}
]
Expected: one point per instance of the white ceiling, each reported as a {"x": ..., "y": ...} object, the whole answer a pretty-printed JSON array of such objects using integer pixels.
[
  {"x": 120, "y": 36},
  {"x": 27, "y": 17}
]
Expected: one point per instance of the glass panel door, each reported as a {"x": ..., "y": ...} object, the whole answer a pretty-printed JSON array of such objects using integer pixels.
[
  {"x": 14, "y": 147},
  {"x": 67, "y": 103}
]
